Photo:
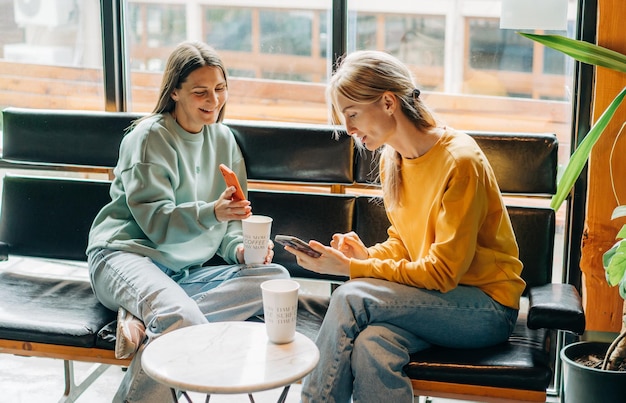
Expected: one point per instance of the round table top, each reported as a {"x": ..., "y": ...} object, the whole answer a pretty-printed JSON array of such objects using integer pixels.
[{"x": 227, "y": 358}]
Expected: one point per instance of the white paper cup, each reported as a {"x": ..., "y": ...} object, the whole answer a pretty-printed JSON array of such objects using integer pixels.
[
  {"x": 280, "y": 308},
  {"x": 256, "y": 237}
]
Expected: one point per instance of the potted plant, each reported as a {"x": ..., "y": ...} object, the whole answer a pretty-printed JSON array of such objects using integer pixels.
[{"x": 585, "y": 381}]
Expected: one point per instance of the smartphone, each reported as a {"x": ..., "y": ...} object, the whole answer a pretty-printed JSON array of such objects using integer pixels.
[
  {"x": 231, "y": 180},
  {"x": 296, "y": 243}
]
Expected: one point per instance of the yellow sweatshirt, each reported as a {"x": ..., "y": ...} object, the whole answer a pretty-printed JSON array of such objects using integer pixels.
[{"x": 451, "y": 226}]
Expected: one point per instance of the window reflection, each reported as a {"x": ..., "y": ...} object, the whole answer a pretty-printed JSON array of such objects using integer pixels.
[
  {"x": 492, "y": 48},
  {"x": 286, "y": 32},
  {"x": 270, "y": 43},
  {"x": 153, "y": 31},
  {"x": 229, "y": 29},
  {"x": 417, "y": 40},
  {"x": 278, "y": 53}
]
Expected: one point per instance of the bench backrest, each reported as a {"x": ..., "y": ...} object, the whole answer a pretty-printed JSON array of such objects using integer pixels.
[
  {"x": 81, "y": 138},
  {"x": 49, "y": 217},
  {"x": 525, "y": 164},
  {"x": 274, "y": 152},
  {"x": 281, "y": 152},
  {"x": 294, "y": 153}
]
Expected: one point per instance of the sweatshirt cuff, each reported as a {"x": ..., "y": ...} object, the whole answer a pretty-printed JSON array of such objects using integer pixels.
[
  {"x": 359, "y": 268},
  {"x": 207, "y": 215}
]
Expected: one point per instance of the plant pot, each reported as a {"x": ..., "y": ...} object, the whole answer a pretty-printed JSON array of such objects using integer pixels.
[{"x": 583, "y": 384}]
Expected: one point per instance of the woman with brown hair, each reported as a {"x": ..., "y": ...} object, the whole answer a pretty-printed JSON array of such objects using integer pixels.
[{"x": 171, "y": 212}]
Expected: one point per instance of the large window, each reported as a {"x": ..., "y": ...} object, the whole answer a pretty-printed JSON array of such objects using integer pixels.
[{"x": 278, "y": 55}]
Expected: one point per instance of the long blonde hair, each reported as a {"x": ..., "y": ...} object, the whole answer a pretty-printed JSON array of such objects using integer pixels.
[{"x": 363, "y": 77}]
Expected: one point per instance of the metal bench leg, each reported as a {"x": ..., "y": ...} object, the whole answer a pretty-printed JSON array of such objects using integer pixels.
[{"x": 73, "y": 390}]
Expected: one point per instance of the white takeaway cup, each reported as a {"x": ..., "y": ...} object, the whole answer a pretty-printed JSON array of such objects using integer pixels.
[
  {"x": 280, "y": 309},
  {"x": 256, "y": 238}
]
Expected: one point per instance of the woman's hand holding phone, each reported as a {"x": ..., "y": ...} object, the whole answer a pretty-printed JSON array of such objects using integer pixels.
[
  {"x": 226, "y": 209},
  {"x": 297, "y": 244},
  {"x": 231, "y": 180},
  {"x": 316, "y": 257},
  {"x": 232, "y": 204}
]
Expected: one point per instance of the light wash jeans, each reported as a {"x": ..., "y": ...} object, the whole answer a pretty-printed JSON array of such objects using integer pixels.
[
  {"x": 373, "y": 325},
  {"x": 166, "y": 300}
]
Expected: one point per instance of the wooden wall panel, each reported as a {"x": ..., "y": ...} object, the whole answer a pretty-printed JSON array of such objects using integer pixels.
[{"x": 603, "y": 305}]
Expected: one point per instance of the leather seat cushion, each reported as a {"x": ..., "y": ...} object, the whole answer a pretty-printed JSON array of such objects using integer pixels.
[
  {"x": 520, "y": 363},
  {"x": 50, "y": 309}
]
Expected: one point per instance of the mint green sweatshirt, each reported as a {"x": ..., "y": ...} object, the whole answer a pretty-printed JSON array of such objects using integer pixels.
[{"x": 166, "y": 184}]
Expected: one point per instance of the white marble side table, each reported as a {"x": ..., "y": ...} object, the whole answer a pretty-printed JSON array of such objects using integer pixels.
[{"x": 227, "y": 358}]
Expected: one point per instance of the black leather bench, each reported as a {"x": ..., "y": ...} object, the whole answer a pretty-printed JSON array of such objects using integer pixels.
[{"x": 45, "y": 217}]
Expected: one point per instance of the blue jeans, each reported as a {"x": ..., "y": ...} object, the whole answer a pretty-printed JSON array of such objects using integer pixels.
[
  {"x": 373, "y": 325},
  {"x": 167, "y": 300}
]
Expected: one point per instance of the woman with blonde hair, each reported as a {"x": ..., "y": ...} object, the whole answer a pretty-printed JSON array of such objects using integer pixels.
[
  {"x": 449, "y": 272},
  {"x": 170, "y": 213}
]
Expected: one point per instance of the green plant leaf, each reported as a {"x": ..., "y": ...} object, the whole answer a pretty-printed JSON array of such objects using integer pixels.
[
  {"x": 622, "y": 233},
  {"x": 579, "y": 157},
  {"x": 614, "y": 262},
  {"x": 620, "y": 211},
  {"x": 582, "y": 51}
]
